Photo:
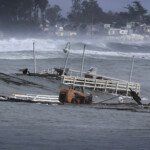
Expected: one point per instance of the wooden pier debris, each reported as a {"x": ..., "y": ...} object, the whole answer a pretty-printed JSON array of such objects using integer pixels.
[{"x": 103, "y": 84}]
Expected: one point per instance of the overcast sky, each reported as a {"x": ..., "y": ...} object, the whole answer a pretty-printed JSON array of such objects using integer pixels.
[{"x": 106, "y": 5}]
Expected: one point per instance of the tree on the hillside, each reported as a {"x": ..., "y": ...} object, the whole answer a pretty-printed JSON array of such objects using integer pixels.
[
  {"x": 91, "y": 11},
  {"x": 136, "y": 12},
  {"x": 16, "y": 11},
  {"x": 39, "y": 5},
  {"x": 75, "y": 14},
  {"x": 43, "y": 4},
  {"x": 8, "y": 10},
  {"x": 24, "y": 11},
  {"x": 85, "y": 11},
  {"x": 53, "y": 14},
  {"x": 141, "y": 11}
]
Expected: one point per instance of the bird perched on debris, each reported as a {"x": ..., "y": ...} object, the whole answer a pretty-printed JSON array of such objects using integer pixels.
[{"x": 25, "y": 71}]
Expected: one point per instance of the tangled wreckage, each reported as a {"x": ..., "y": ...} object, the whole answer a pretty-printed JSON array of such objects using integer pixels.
[
  {"x": 74, "y": 96},
  {"x": 76, "y": 80},
  {"x": 70, "y": 95}
]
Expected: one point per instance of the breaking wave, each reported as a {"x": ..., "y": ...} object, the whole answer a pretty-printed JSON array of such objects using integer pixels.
[{"x": 50, "y": 48}]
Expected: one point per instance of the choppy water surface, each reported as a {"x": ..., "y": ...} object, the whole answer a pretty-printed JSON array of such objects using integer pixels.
[{"x": 37, "y": 126}]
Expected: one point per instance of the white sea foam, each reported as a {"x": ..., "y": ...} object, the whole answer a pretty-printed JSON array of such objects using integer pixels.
[
  {"x": 111, "y": 53},
  {"x": 50, "y": 48},
  {"x": 27, "y": 44},
  {"x": 145, "y": 99}
]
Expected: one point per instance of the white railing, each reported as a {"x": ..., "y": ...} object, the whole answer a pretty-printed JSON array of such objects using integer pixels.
[
  {"x": 76, "y": 73},
  {"x": 114, "y": 86},
  {"x": 37, "y": 98},
  {"x": 48, "y": 71}
]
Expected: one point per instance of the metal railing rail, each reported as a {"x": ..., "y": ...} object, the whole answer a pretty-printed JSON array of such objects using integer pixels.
[
  {"x": 48, "y": 71},
  {"x": 40, "y": 98},
  {"x": 76, "y": 73},
  {"x": 114, "y": 86}
]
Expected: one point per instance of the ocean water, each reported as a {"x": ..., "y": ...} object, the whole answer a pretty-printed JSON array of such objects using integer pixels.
[{"x": 38, "y": 126}]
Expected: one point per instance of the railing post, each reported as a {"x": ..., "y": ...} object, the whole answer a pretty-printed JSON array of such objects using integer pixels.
[
  {"x": 127, "y": 88},
  {"x": 63, "y": 79},
  {"x": 117, "y": 87},
  {"x": 106, "y": 86},
  {"x": 95, "y": 84},
  {"x": 137, "y": 88},
  {"x": 74, "y": 81},
  {"x": 84, "y": 82}
]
